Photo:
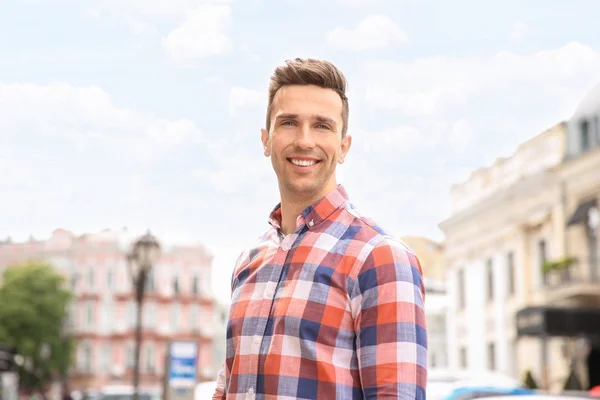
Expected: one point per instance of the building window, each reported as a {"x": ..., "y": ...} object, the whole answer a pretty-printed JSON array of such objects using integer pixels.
[
  {"x": 542, "y": 257},
  {"x": 86, "y": 358},
  {"x": 91, "y": 279},
  {"x": 584, "y": 129},
  {"x": 130, "y": 355},
  {"x": 131, "y": 317},
  {"x": 491, "y": 350},
  {"x": 461, "y": 289},
  {"x": 195, "y": 286},
  {"x": 175, "y": 316},
  {"x": 510, "y": 267},
  {"x": 106, "y": 358},
  {"x": 74, "y": 279},
  {"x": 90, "y": 313},
  {"x": 462, "y": 357},
  {"x": 149, "y": 358},
  {"x": 195, "y": 317},
  {"x": 176, "y": 285},
  {"x": 489, "y": 268},
  {"x": 109, "y": 278}
]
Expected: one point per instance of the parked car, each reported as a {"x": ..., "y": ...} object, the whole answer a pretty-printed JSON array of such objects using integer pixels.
[
  {"x": 123, "y": 392},
  {"x": 479, "y": 392},
  {"x": 442, "y": 383}
]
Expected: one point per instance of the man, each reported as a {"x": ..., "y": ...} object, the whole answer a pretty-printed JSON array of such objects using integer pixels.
[{"x": 326, "y": 305}]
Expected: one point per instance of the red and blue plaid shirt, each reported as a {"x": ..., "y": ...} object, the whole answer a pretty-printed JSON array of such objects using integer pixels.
[{"x": 332, "y": 311}]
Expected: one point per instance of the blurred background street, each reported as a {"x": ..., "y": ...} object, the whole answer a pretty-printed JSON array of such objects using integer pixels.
[{"x": 476, "y": 139}]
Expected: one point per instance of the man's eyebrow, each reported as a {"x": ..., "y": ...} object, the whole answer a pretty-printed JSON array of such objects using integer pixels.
[
  {"x": 286, "y": 116},
  {"x": 322, "y": 118}
]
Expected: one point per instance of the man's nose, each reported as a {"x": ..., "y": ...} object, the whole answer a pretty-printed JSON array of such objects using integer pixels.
[{"x": 304, "y": 137}]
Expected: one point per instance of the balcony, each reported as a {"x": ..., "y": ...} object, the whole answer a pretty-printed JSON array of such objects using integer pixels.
[{"x": 572, "y": 281}]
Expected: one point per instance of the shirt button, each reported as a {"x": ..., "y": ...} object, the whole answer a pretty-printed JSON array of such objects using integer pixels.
[
  {"x": 284, "y": 247},
  {"x": 257, "y": 339},
  {"x": 269, "y": 294},
  {"x": 251, "y": 391},
  {"x": 311, "y": 222}
]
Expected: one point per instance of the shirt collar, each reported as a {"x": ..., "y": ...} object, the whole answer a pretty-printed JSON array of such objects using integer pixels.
[{"x": 316, "y": 213}]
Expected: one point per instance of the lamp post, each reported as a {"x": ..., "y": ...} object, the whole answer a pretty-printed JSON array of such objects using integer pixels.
[{"x": 144, "y": 253}]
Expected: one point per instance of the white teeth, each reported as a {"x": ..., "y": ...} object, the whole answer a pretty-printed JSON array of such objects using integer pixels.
[{"x": 304, "y": 163}]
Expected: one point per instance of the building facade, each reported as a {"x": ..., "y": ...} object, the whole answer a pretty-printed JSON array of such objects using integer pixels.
[
  {"x": 506, "y": 221},
  {"x": 524, "y": 232},
  {"x": 576, "y": 282},
  {"x": 178, "y": 304}
]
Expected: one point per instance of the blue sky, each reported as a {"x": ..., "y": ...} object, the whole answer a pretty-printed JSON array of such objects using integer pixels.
[{"x": 147, "y": 114}]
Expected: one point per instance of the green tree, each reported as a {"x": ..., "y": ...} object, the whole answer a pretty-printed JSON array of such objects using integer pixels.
[{"x": 33, "y": 312}]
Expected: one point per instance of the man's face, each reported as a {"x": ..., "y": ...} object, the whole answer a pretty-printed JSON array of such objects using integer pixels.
[{"x": 305, "y": 140}]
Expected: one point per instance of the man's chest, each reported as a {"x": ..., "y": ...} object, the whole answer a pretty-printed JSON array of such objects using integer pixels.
[{"x": 297, "y": 289}]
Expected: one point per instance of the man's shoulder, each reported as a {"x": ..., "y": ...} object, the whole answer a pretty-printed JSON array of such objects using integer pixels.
[
  {"x": 373, "y": 233},
  {"x": 380, "y": 243},
  {"x": 249, "y": 253}
]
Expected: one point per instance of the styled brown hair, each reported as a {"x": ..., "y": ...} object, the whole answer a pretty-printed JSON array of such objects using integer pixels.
[{"x": 308, "y": 71}]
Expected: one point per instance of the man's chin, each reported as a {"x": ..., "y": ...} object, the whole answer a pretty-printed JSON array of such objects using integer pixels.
[{"x": 307, "y": 189}]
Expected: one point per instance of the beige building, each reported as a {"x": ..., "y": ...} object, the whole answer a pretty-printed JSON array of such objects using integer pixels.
[
  {"x": 431, "y": 257},
  {"x": 523, "y": 233}
]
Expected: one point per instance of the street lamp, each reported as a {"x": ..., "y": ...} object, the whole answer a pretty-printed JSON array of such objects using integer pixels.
[{"x": 144, "y": 253}]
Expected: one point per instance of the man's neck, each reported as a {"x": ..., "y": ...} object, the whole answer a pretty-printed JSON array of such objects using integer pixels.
[{"x": 292, "y": 207}]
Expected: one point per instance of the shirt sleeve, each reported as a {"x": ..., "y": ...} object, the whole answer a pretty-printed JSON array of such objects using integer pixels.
[
  {"x": 220, "y": 393},
  {"x": 391, "y": 338},
  {"x": 221, "y": 389}
]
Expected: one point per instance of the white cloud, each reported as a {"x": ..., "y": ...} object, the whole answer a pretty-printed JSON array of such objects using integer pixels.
[
  {"x": 240, "y": 97},
  {"x": 436, "y": 84},
  {"x": 361, "y": 3},
  {"x": 141, "y": 17},
  {"x": 86, "y": 118},
  {"x": 204, "y": 33},
  {"x": 518, "y": 30},
  {"x": 374, "y": 32},
  {"x": 201, "y": 26},
  {"x": 397, "y": 140}
]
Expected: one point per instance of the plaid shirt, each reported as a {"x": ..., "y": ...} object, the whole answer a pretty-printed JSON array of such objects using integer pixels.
[{"x": 332, "y": 311}]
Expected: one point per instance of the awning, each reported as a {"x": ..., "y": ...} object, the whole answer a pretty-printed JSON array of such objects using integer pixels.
[
  {"x": 580, "y": 214},
  {"x": 557, "y": 321}
]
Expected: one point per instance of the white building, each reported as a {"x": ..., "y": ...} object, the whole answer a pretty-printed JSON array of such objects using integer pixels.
[
  {"x": 503, "y": 226},
  {"x": 436, "y": 301}
]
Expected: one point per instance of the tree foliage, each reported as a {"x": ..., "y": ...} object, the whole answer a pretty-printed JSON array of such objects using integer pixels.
[{"x": 33, "y": 310}]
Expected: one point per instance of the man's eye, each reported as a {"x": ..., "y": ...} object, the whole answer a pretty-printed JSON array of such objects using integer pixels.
[
  {"x": 323, "y": 126},
  {"x": 287, "y": 123}
]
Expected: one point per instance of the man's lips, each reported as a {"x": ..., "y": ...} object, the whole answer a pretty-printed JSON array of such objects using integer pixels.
[{"x": 303, "y": 161}]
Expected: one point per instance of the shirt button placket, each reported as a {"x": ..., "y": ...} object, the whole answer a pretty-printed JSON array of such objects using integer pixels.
[{"x": 267, "y": 302}]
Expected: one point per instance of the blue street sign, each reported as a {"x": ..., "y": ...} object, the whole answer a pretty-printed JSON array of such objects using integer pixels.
[{"x": 183, "y": 360}]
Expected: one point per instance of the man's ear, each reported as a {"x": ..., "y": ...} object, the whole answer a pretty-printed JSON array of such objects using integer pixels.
[
  {"x": 345, "y": 147},
  {"x": 264, "y": 137}
]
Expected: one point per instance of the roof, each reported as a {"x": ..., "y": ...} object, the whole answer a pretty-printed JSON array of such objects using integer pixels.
[{"x": 590, "y": 105}]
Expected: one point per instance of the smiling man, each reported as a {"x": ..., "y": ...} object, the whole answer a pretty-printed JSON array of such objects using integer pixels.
[{"x": 326, "y": 305}]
